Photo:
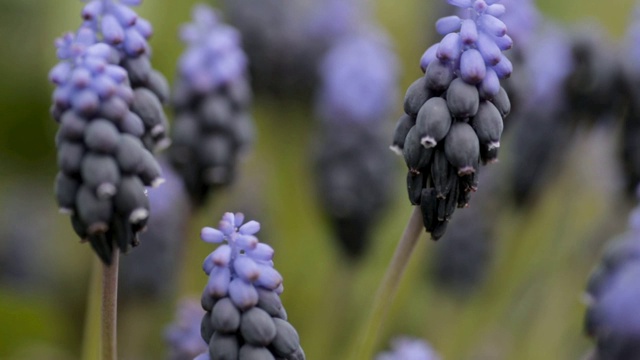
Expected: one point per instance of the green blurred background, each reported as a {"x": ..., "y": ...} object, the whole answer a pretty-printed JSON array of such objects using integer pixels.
[{"x": 528, "y": 308}]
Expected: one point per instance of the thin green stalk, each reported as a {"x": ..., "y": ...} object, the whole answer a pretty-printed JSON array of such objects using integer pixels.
[
  {"x": 389, "y": 287},
  {"x": 91, "y": 336},
  {"x": 110, "y": 307}
]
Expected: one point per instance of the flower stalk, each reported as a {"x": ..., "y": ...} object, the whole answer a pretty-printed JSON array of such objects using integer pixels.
[
  {"x": 110, "y": 307},
  {"x": 389, "y": 286}
]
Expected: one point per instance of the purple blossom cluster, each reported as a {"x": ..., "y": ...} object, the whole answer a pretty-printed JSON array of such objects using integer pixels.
[
  {"x": 405, "y": 348},
  {"x": 454, "y": 114},
  {"x": 104, "y": 166},
  {"x": 613, "y": 310},
  {"x": 211, "y": 101},
  {"x": 245, "y": 317},
  {"x": 114, "y": 23},
  {"x": 473, "y": 45}
]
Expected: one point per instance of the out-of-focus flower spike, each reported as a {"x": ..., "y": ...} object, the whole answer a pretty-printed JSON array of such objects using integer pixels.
[
  {"x": 183, "y": 335},
  {"x": 211, "y": 101}
]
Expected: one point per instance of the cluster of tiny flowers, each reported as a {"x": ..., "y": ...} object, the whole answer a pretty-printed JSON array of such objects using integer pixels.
[
  {"x": 127, "y": 32},
  {"x": 104, "y": 167},
  {"x": 454, "y": 114},
  {"x": 613, "y": 309},
  {"x": 245, "y": 318},
  {"x": 404, "y": 348},
  {"x": 212, "y": 95},
  {"x": 358, "y": 85},
  {"x": 183, "y": 336}
]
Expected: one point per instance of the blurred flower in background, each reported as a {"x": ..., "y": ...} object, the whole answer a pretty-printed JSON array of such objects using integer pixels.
[
  {"x": 613, "y": 313},
  {"x": 183, "y": 335},
  {"x": 405, "y": 348},
  {"x": 211, "y": 102},
  {"x": 358, "y": 87}
]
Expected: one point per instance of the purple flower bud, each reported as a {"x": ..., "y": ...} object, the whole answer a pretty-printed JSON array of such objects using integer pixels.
[
  {"x": 489, "y": 49},
  {"x": 472, "y": 66},
  {"x": 221, "y": 257},
  {"x": 262, "y": 252},
  {"x": 211, "y": 235},
  {"x": 428, "y": 56},
  {"x": 448, "y": 24},
  {"x": 504, "y": 68},
  {"x": 243, "y": 294},
  {"x": 246, "y": 269},
  {"x": 112, "y": 31},
  {"x": 468, "y": 32},
  {"x": 492, "y": 25},
  {"x": 249, "y": 228},
  {"x": 218, "y": 284},
  {"x": 449, "y": 48}
]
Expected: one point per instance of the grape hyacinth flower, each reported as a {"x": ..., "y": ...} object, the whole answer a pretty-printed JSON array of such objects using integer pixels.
[
  {"x": 245, "y": 318},
  {"x": 183, "y": 336},
  {"x": 358, "y": 86},
  {"x": 212, "y": 96},
  {"x": 104, "y": 167},
  {"x": 405, "y": 348},
  {"x": 120, "y": 27},
  {"x": 454, "y": 113},
  {"x": 613, "y": 309}
]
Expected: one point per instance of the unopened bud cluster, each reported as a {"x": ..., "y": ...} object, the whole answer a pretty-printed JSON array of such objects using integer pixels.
[
  {"x": 123, "y": 29},
  {"x": 358, "y": 86},
  {"x": 245, "y": 318},
  {"x": 212, "y": 126},
  {"x": 613, "y": 309},
  {"x": 454, "y": 113},
  {"x": 104, "y": 166}
]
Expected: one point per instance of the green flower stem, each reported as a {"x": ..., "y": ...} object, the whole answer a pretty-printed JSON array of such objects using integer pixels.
[
  {"x": 91, "y": 337},
  {"x": 389, "y": 286},
  {"x": 110, "y": 307}
]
